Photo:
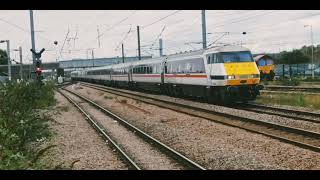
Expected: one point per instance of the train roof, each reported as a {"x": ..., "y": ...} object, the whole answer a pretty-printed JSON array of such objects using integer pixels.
[
  {"x": 226, "y": 48},
  {"x": 258, "y": 57}
]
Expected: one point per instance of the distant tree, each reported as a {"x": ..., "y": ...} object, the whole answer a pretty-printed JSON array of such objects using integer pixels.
[
  {"x": 3, "y": 57},
  {"x": 293, "y": 57}
]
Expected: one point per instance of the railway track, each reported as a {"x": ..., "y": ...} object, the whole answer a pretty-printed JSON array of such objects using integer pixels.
[
  {"x": 296, "y": 136},
  {"x": 185, "y": 162},
  {"x": 288, "y": 113},
  {"x": 292, "y": 89}
]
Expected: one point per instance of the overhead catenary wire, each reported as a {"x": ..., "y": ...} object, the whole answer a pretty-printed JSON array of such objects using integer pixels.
[
  {"x": 64, "y": 43},
  {"x": 124, "y": 38},
  {"x": 21, "y": 28},
  {"x": 281, "y": 23},
  {"x": 110, "y": 28},
  {"x": 171, "y": 14},
  {"x": 157, "y": 38}
]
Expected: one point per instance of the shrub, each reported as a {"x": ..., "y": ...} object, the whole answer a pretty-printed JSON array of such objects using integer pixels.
[{"x": 21, "y": 121}]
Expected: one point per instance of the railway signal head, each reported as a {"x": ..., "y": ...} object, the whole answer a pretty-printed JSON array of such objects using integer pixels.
[
  {"x": 38, "y": 71},
  {"x": 38, "y": 68}
]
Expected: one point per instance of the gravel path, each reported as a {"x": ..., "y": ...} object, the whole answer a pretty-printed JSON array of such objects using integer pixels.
[
  {"x": 211, "y": 144},
  {"x": 77, "y": 142},
  {"x": 144, "y": 154}
]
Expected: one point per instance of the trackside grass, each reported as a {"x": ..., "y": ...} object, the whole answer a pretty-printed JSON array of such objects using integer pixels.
[{"x": 302, "y": 100}]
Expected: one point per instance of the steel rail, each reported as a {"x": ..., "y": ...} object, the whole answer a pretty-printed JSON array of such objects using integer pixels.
[
  {"x": 293, "y": 88},
  {"x": 99, "y": 128},
  {"x": 292, "y": 113},
  {"x": 163, "y": 147}
]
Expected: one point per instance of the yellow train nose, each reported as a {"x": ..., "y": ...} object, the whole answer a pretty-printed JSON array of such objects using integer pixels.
[
  {"x": 243, "y": 73},
  {"x": 241, "y": 68}
]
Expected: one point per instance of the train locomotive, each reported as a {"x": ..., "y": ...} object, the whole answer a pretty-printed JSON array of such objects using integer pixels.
[
  {"x": 218, "y": 74},
  {"x": 266, "y": 66}
]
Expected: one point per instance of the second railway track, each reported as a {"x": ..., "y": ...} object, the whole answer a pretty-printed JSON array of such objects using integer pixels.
[
  {"x": 288, "y": 113},
  {"x": 296, "y": 136},
  {"x": 173, "y": 158},
  {"x": 315, "y": 90}
]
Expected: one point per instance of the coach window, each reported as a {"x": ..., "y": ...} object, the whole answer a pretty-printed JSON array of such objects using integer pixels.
[
  {"x": 188, "y": 68},
  {"x": 179, "y": 68},
  {"x": 148, "y": 69},
  {"x": 209, "y": 59},
  {"x": 170, "y": 68},
  {"x": 154, "y": 70}
]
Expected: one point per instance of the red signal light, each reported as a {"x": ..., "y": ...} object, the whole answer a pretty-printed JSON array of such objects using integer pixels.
[{"x": 38, "y": 71}]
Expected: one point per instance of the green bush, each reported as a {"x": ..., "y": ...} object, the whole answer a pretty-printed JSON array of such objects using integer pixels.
[{"x": 21, "y": 121}]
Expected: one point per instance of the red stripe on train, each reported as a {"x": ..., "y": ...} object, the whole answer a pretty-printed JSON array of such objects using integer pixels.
[{"x": 167, "y": 76}]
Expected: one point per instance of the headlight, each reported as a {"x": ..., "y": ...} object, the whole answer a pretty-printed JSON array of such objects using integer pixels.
[
  {"x": 231, "y": 77},
  {"x": 255, "y": 75}
]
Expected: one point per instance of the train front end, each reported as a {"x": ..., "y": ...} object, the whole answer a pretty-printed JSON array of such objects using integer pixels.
[{"x": 234, "y": 74}]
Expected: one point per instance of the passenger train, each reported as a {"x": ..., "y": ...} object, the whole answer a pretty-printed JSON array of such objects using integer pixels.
[{"x": 217, "y": 74}]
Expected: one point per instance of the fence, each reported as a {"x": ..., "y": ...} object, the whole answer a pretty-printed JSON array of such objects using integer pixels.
[{"x": 297, "y": 70}]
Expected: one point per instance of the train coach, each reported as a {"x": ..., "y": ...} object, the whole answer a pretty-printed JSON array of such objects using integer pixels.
[{"x": 217, "y": 74}]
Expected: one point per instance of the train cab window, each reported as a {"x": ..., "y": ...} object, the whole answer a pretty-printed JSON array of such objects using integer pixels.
[
  {"x": 262, "y": 62},
  {"x": 269, "y": 62}
]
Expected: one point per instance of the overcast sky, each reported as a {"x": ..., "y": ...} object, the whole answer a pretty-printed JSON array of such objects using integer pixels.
[{"x": 267, "y": 31}]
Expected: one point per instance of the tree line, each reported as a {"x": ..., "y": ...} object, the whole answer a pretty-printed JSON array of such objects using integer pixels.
[{"x": 298, "y": 56}]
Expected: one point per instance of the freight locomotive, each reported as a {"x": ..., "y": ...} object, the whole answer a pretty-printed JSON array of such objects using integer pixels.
[
  {"x": 217, "y": 74},
  {"x": 266, "y": 66}
]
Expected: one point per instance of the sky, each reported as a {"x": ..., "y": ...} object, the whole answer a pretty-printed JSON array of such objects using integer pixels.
[{"x": 76, "y": 31}]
